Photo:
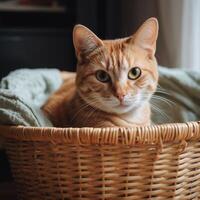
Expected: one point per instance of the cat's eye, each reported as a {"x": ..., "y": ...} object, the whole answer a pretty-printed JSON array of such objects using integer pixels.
[
  {"x": 102, "y": 76},
  {"x": 134, "y": 73}
]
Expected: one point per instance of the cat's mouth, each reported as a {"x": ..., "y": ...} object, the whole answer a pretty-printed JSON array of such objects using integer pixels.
[{"x": 123, "y": 105}]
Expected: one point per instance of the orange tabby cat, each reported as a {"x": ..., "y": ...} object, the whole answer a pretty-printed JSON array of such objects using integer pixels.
[{"x": 114, "y": 82}]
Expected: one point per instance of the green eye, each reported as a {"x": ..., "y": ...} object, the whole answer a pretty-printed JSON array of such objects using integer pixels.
[
  {"x": 102, "y": 76},
  {"x": 134, "y": 73}
]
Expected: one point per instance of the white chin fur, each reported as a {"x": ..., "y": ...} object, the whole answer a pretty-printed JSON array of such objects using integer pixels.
[{"x": 116, "y": 109}]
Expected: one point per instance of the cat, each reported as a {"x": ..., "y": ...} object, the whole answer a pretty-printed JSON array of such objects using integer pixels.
[{"x": 114, "y": 82}]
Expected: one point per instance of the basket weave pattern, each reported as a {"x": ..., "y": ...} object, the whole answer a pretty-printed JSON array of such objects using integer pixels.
[{"x": 156, "y": 162}]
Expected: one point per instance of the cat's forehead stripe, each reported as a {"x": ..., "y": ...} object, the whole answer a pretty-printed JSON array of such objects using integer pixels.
[{"x": 115, "y": 59}]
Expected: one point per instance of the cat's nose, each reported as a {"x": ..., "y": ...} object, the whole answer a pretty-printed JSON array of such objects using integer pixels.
[
  {"x": 120, "y": 92},
  {"x": 120, "y": 97}
]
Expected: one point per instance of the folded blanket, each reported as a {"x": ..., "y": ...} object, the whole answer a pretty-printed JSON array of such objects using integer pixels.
[
  {"x": 23, "y": 92},
  {"x": 181, "y": 90}
]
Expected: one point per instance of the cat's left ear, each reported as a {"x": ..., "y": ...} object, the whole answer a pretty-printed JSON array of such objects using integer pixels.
[{"x": 146, "y": 36}]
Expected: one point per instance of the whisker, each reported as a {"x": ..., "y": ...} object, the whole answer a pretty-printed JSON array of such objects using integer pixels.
[
  {"x": 78, "y": 112},
  {"x": 163, "y": 92},
  {"x": 89, "y": 115},
  {"x": 84, "y": 106},
  {"x": 163, "y": 114},
  {"x": 165, "y": 100},
  {"x": 158, "y": 97}
]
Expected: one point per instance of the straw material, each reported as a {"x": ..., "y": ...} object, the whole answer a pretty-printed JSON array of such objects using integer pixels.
[{"x": 156, "y": 162}]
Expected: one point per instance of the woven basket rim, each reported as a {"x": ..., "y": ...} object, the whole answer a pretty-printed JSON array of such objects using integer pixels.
[{"x": 153, "y": 134}]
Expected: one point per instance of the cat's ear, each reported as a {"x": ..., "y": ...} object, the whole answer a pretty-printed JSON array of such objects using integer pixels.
[
  {"x": 146, "y": 36},
  {"x": 85, "y": 41}
]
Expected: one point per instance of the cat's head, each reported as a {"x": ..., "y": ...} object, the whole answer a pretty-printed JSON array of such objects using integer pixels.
[{"x": 117, "y": 76}]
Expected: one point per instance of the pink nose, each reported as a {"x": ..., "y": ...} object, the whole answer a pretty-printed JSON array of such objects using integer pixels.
[{"x": 120, "y": 97}]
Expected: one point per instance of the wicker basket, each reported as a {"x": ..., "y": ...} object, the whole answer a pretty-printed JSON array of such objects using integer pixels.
[{"x": 156, "y": 162}]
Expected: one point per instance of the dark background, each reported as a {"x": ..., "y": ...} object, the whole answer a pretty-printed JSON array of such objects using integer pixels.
[{"x": 37, "y": 39}]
